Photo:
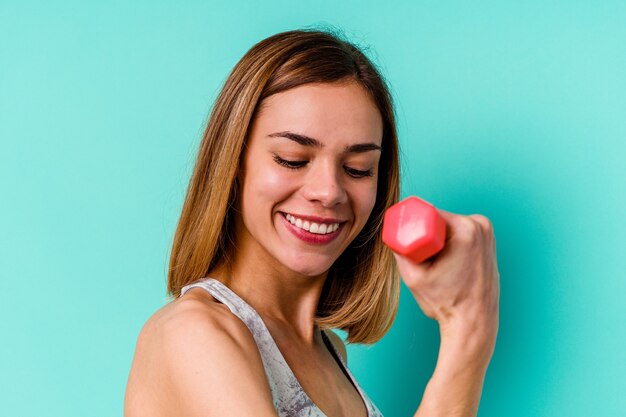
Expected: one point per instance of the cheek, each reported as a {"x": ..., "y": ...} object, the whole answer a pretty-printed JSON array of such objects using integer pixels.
[
  {"x": 364, "y": 199},
  {"x": 268, "y": 184}
]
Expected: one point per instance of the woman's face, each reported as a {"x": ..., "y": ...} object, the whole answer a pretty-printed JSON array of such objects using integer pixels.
[{"x": 309, "y": 175}]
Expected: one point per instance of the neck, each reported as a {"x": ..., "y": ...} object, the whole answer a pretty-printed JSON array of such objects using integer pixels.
[{"x": 285, "y": 300}]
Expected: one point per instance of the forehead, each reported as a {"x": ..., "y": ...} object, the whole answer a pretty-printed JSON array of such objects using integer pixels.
[{"x": 337, "y": 112}]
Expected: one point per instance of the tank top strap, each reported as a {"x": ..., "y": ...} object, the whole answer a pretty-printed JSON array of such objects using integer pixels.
[
  {"x": 372, "y": 410},
  {"x": 227, "y": 297}
]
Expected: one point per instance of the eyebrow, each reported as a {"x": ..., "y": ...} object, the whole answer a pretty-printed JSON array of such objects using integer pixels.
[{"x": 309, "y": 141}]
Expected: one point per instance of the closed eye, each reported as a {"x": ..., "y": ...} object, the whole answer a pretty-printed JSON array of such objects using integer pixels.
[
  {"x": 355, "y": 173},
  {"x": 289, "y": 164}
]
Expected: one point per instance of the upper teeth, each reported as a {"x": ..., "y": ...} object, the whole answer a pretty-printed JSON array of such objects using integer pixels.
[{"x": 318, "y": 228}]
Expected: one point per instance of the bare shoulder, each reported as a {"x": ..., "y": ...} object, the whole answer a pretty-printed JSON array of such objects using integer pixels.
[
  {"x": 338, "y": 343},
  {"x": 195, "y": 358}
]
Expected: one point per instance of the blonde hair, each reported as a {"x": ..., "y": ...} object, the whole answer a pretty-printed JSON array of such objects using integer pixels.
[{"x": 361, "y": 292}]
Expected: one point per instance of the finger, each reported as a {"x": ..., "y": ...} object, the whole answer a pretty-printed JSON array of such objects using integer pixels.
[
  {"x": 411, "y": 272},
  {"x": 450, "y": 219}
]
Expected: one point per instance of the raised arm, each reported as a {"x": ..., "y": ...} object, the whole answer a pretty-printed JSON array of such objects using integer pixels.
[
  {"x": 459, "y": 288},
  {"x": 197, "y": 363}
]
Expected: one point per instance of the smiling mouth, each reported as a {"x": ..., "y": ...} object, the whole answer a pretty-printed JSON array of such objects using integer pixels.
[{"x": 310, "y": 226}]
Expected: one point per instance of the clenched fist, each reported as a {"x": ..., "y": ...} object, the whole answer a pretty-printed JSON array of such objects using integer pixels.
[{"x": 460, "y": 286}]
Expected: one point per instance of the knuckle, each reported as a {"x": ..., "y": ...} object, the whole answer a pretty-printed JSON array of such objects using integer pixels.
[
  {"x": 465, "y": 223},
  {"x": 483, "y": 221},
  {"x": 471, "y": 225},
  {"x": 466, "y": 231}
]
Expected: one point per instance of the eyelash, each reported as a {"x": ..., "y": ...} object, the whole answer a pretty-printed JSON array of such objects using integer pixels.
[{"x": 355, "y": 173}]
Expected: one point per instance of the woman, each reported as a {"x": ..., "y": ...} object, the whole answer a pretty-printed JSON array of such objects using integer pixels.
[{"x": 279, "y": 242}]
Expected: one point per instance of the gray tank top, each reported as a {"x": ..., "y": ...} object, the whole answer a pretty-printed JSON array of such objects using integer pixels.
[{"x": 289, "y": 398}]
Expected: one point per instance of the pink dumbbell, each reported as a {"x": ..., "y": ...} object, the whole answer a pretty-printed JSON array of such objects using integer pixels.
[{"x": 414, "y": 228}]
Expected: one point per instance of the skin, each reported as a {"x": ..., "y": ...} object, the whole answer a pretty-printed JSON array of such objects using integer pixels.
[{"x": 195, "y": 358}]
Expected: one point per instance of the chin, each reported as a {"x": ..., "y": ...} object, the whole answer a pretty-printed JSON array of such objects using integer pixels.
[
  {"x": 308, "y": 267},
  {"x": 310, "y": 271}
]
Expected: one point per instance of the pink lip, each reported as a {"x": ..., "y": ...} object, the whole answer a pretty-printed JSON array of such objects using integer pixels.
[{"x": 312, "y": 237}]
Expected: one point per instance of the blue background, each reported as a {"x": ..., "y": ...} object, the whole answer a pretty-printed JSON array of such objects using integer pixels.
[{"x": 515, "y": 110}]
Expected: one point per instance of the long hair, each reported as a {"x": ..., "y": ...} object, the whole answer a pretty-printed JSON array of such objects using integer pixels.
[{"x": 361, "y": 292}]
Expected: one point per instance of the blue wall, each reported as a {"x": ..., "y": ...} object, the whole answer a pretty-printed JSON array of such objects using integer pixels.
[{"x": 516, "y": 110}]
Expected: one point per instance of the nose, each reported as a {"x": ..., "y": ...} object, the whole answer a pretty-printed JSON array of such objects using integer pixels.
[{"x": 324, "y": 185}]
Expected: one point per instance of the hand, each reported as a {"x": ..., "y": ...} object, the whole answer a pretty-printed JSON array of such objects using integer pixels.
[{"x": 459, "y": 287}]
